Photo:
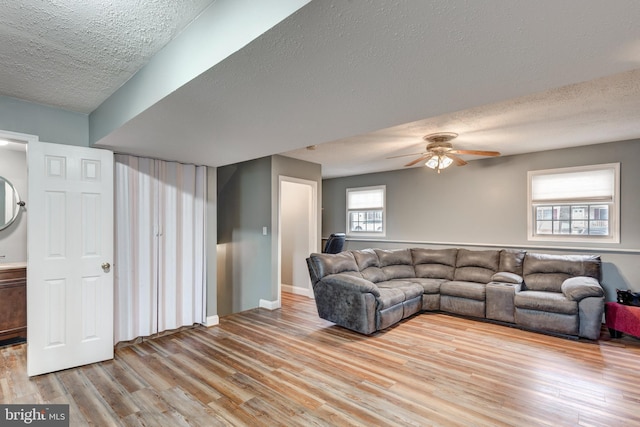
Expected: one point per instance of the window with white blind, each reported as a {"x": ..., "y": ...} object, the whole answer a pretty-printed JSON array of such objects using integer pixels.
[
  {"x": 575, "y": 204},
  {"x": 366, "y": 214}
]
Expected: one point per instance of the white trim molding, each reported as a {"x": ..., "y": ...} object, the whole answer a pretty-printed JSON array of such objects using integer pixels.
[
  {"x": 270, "y": 305},
  {"x": 297, "y": 290},
  {"x": 211, "y": 321}
]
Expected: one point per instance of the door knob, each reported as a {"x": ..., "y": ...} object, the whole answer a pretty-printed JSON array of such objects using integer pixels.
[{"x": 106, "y": 266}]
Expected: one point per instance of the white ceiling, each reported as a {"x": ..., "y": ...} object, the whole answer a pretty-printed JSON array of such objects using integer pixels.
[{"x": 362, "y": 80}]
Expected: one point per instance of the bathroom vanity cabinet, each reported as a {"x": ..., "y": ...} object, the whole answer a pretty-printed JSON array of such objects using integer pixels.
[{"x": 13, "y": 301}]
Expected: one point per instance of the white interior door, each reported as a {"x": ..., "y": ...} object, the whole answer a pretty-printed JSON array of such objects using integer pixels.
[{"x": 69, "y": 244}]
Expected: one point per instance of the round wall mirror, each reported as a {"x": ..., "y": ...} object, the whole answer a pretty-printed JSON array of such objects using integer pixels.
[{"x": 9, "y": 203}]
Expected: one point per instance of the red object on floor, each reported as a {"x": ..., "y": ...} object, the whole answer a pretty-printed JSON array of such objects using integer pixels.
[{"x": 622, "y": 318}]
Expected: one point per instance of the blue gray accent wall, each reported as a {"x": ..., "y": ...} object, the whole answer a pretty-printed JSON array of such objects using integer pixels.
[
  {"x": 49, "y": 124},
  {"x": 484, "y": 204}
]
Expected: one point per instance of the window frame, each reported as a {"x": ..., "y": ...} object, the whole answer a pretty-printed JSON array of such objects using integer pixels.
[
  {"x": 613, "y": 211},
  {"x": 356, "y": 233}
]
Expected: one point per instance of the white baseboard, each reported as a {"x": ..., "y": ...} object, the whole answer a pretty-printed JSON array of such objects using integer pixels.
[
  {"x": 269, "y": 305},
  {"x": 297, "y": 290},
  {"x": 211, "y": 321}
]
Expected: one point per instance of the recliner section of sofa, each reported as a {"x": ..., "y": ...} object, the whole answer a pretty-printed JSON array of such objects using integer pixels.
[{"x": 369, "y": 290}]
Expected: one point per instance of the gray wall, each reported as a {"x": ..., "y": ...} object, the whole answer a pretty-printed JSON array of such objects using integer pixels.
[
  {"x": 212, "y": 241},
  {"x": 247, "y": 201},
  {"x": 244, "y": 261},
  {"x": 13, "y": 239},
  {"x": 484, "y": 204},
  {"x": 48, "y": 123}
]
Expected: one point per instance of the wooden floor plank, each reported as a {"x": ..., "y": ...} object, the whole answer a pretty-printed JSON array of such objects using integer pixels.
[{"x": 288, "y": 367}]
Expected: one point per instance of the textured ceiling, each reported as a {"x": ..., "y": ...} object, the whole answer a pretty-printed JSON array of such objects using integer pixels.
[
  {"x": 341, "y": 71},
  {"x": 597, "y": 111},
  {"x": 74, "y": 54},
  {"x": 362, "y": 80}
]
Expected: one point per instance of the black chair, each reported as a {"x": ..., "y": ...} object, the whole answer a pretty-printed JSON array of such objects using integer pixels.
[{"x": 335, "y": 243}]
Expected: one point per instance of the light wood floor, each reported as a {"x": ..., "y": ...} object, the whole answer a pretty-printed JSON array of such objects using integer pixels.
[{"x": 288, "y": 367}]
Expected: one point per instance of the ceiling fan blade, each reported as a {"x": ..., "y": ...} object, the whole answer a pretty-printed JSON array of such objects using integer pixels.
[
  {"x": 405, "y": 155},
  {"x": 475, "y": 152},
  {"x": 457, "y": 160},
  {"x": 419, "y": 159}
]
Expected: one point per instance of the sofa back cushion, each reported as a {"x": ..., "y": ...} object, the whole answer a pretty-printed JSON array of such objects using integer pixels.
[
  {"x": 434, "y": 263},
  {"x": 321, "y": 265},
  {"x": 546, "y": 272},
  {"x": 396, "y": 263},
  {"x": 369, "y": 265},
  {"x": 476, "y": 266},
  {"x": 511, "y": 261}
]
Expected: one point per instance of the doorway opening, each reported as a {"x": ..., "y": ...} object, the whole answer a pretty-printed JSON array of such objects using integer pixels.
[
  {"x": 13, "y": 237},
  {"x": 298, "y": 234}
]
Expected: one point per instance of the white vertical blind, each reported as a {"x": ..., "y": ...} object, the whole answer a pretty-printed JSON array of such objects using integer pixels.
[{"x": 160, "y": 251}]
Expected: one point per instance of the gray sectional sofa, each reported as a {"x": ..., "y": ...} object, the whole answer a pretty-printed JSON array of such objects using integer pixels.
[{"x": 369, "y": 290}]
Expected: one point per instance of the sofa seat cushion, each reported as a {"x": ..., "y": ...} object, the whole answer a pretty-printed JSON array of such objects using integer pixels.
[
  {"x": 469, "y": 290},
  {"x": 429, "y": 286},
  {"x": 552, "y": 302},
  {"x": 390, "y": 297},
  {"x": 410, "y": 290}
]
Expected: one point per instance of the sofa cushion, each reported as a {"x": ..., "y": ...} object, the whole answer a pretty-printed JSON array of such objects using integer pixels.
[
  {"x": 429, "y": 286},
  {"x": 390, "y": 297},
  {"x": 469, "y": 290},
  {"x": 545, "y": 301},
  {"x": 409, "y": 289},
  {"x": 396, "y": 263},
  {"x": 505, "y": 277},
  {"x": 579, "y": 288},
  {"x": 545, "y": 272},
  {"x": 511, "y": 261},
  {"x": 369, "y": 265},
  {"x": 476, "y": 266},
  {"x": 434, "y": 263},
  {"x": 366, "y": 258},
  {"x": 325, "y": 264}
]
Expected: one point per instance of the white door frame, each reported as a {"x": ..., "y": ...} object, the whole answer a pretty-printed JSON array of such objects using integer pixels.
[{"x": 313, "y": 222}]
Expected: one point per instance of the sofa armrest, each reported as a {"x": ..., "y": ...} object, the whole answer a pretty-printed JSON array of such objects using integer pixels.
[
  {"x": 506, "y": 277},
  {"x": 581, "y": 287},
  {"x": 352, "y": 283}
]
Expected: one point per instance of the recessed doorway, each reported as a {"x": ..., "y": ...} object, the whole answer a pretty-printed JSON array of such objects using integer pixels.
[{"x": 298, "y": 235}]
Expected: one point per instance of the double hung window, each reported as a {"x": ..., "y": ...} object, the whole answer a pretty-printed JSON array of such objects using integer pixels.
[
  {"x": 366, "y": 211},
  {"x": 575, "y": 204}
]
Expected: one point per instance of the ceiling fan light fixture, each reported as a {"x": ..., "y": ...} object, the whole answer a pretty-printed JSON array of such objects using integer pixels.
[
  {"x": 438, "y": 162},
  {"x": 432, "y": 162},
  {"x": 445, "y": 162}
]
